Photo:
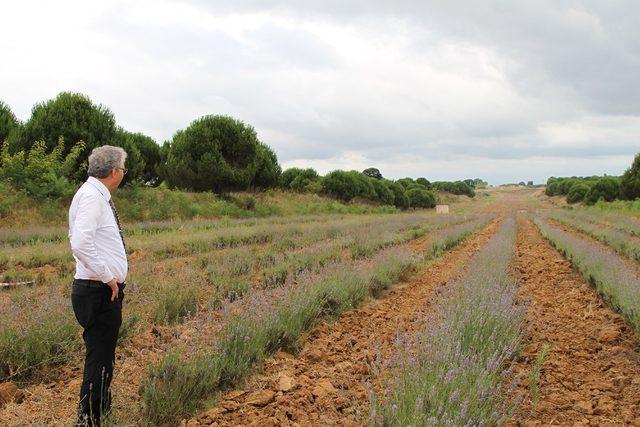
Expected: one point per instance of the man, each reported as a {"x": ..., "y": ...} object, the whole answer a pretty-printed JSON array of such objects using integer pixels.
[{"x": 101, "y": 269}]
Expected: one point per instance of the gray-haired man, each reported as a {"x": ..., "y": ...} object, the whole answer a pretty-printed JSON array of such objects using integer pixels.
[{"x": 101, "y": 269}]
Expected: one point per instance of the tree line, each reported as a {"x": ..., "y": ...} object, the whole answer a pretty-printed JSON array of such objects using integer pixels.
[
  {"x": 46, "y": 157},
  {"x": 591, "y": 189}
]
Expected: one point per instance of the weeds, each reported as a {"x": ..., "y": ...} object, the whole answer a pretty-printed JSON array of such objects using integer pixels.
[{"x": 535, "y": 376}]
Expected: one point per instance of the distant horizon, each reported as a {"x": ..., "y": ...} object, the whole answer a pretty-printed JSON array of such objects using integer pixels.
[{"x": 506, "y": 93}]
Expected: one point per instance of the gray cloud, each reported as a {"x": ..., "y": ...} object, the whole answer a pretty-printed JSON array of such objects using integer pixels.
[{"x": 430, "y": 85}]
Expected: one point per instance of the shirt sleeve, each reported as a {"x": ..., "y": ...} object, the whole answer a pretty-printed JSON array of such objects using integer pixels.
[{"x": 83, "y": 237}]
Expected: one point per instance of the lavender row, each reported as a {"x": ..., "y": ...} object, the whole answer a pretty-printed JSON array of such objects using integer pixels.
[
  {"x": 625, "y": 223},
  {"x": 273, "y": 319},
  {"x": 624, "y": 243},
  {"x": 614, "y": 279},
  {"x": 450, "y": 370}
]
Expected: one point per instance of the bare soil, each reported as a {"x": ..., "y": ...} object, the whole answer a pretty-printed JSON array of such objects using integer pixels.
[
  {"x": 327, "y": 382},
  {"x": 591, "y": 375}
]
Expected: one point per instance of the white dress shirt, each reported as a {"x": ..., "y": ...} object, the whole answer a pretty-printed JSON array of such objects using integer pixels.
[{"x": 95, "y": 239}]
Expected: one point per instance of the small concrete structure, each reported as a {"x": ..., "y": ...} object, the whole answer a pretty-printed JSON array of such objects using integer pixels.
[{"x": 442, "y": 209}]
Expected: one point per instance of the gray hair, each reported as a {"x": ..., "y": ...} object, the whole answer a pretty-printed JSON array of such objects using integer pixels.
[{"x": 103, "y": 159}]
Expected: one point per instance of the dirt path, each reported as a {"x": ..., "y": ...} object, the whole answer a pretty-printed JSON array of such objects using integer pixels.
[
  {"x": 591, "y": 375},
  {"x": 325, "y": 383}
]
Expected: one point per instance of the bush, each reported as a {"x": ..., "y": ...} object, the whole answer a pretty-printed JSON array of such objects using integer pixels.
[
  {"x": 384, "y": 194},
  {"x": 400, "y": 198},
  {"x": 406, "y": 182},
  {"x": 49, "y": 337},
  {"x": 347, "y": 185},
  {"x": 38, "y": 173},
  {"x": 215, "y": 153},
  {"x": 304, "y": 179},
  {"x": 425, "y": 182},
  {"x": 420, "y": 198},
  {"x": 266, "y": 168},
  {"x": 457, "y": 187},
  {"x": 630, "y": 182},
  {"x": 175, "y": 304},
  {"x": 8, "y": 121},
  {"x": 288, "y": 176},
  {"x": 72, "y": 117},
  {"x": 607, "y": 188},
  {"x": 578, "y": 192},
  {"x": 143, "y": 156},
  {"x": 552, "y": 189}
]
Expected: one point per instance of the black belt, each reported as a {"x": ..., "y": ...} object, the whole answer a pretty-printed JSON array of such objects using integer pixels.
[{"x": 95, "y": 284}]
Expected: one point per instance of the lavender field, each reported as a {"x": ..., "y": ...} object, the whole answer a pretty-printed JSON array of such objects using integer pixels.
[{"x": 213, "y": 306}]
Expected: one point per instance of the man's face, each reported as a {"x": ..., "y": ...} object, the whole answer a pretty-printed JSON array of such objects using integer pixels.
[{"x": 118, "y": 174}]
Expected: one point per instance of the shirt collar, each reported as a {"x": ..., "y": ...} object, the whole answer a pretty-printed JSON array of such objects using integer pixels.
[{"x": 100, "y": 187}]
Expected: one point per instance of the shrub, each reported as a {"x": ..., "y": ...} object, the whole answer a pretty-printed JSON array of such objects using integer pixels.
[
  {"x": 607, "y": 188},
  {"x": 174, "y": 304},
  {"x": 630, "y": 182},
  {"x": 215, "y": 153},
  {"x": 266, "y": 168},
  {"x": 384, "y": 194},
  {"x": 551, "y": 189},
  {"x": 347, "y": 185},
  {"x": 304, "y": 179},
  {"x": 8, "y": 121},
  {"x": 143, "y": 156},
  {"x": 288, "y": 176},
  {"x": 577, "y": 193},
  {"x": 38, "y": 173},
  {"x": 72, "y": 117},
  {"x": 420, "y": 198},
  {"x": 425, "y": 182},
  {"x": 457, "y": 187},
  {"x": 48, "y": 338},
  {"x": 405, "y": 182},
  {"x": 400, "y": 198}
]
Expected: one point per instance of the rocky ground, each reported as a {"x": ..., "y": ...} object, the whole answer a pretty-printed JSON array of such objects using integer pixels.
[{"x": 591, "y": 375}]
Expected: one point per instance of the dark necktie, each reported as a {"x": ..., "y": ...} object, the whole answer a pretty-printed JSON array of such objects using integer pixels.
[{"x": 115, "y": 214}]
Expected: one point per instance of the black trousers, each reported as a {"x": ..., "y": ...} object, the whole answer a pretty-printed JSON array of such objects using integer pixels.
[{"x": 101, "y": 319}]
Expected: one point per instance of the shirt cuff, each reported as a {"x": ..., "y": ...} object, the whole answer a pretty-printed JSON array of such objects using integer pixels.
[{"x": 107, "y": 276}]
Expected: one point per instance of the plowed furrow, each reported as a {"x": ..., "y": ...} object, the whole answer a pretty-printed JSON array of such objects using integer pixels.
[{"x": 591, "y": 375}]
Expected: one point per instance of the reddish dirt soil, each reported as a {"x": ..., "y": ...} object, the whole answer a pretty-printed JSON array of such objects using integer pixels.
[
  {"x": 326, "y": 383},
  {"x": 591, "y": 375}
]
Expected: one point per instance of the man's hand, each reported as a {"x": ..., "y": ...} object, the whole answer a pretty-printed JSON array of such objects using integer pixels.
[{"x": 114, "y": 289}]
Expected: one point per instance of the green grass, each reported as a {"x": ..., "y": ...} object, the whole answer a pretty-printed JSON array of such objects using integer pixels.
[
  {"x": 154, "y": 204},
  {"x": 535, "y": 376},
  {"x": 626, "y": 207}
]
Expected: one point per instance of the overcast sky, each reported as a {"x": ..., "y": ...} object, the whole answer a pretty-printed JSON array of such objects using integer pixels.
[{"x": 507, "y": 91}]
